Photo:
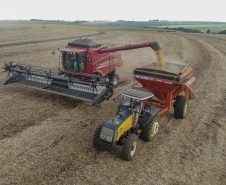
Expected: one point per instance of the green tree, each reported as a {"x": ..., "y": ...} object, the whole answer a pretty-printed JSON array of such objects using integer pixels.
[{"x": 208, "y": 31}]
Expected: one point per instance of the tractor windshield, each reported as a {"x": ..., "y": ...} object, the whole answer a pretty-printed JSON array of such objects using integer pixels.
[
  {"x": 74, "y": 62},
  {"x": 128, "y": 103}
]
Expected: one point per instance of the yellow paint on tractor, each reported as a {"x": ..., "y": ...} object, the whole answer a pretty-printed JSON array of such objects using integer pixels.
[
  {"x": 126, "y": 125},
  {"x": 161, "y": 60}
]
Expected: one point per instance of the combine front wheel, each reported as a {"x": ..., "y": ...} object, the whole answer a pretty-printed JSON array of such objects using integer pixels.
[
  {"x": 129, "y": 147},
  {"x": 180, "y": 107},
  {"x": 114, "y": 80}
]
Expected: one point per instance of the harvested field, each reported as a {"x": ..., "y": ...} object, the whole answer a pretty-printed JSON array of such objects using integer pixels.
[{"x": 47, "y": 138}]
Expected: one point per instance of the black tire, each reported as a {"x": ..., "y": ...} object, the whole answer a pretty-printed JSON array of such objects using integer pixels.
[
  {"x": 180, "y": 107},
  {"x": 129, "y": 147},
  {"x": 96, "y": 137},
  {"x": 114, "y": 80},
  {"x": 150, "y": 129}
]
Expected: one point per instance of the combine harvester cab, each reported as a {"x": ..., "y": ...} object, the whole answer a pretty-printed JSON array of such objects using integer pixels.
[{"x": 83, "y": 73}]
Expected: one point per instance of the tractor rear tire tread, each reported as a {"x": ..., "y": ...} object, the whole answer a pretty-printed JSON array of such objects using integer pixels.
[
  {"x": 146, "y": 134},
  {"x": 128, "y": 145},
  {"x": 180, "y": 107},
  {"x": 96, "y": 137}
]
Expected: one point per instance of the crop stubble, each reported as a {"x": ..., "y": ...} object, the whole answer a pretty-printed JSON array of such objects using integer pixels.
[{"x": 47, "y": 138}]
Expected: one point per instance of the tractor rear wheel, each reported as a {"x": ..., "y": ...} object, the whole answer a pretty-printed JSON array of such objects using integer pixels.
[
  {"x": 180, "y": 107},
  {"x": 114, "y": 80},
  {"x": 150, "y": 129},
  {"x": 129, "y": 147},
  {"x": 96, "y": 137}
]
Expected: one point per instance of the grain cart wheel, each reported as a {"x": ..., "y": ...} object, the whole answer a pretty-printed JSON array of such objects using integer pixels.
[
  {"x": 150, "y": 129},
  {"x": 129, "y": 147},
  {"x": 96, "y": 137},
  {"x": 114, "y": 80},
  {"x": 180, "y": 107}
]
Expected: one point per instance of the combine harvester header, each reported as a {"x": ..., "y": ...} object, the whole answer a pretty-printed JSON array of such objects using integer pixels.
[{"x": 86, "y": 70}]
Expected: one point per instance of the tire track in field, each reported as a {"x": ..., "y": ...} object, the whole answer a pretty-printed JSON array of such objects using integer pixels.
[{"x": 206, "y": 127}]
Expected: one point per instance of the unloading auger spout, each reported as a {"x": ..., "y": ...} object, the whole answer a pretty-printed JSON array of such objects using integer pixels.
[{"x": 154, "y": 45}]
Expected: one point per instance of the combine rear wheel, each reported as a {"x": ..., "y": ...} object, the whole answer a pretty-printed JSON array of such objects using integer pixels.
[
  {"x": 96, "y": 137},
  {"x": 129, "y": 147},
  {"x": 150, "y": 129},
  {"x": 114, "y": 80},
  {"x": 180, "y": 107}
]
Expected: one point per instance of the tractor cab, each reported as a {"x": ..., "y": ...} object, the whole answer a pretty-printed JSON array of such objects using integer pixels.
[{"x": 134, "y": 99}]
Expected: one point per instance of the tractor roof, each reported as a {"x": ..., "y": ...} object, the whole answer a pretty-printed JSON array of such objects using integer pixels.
[
  {"x": 84, "y": 43},
  {"x": 139, "y": 94}
]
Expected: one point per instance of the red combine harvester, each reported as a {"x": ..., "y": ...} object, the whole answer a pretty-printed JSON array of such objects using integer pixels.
[{"x": 86, "y": 70}]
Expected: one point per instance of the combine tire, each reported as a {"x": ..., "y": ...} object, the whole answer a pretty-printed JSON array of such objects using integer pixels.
[
  {"x": 114, "y": 80},
  {"x": 180, "y": 107},
  {"x": 129, "y": 147},
  {"x": 96, "y": 137},
  {"x": 150, "y": 129}
]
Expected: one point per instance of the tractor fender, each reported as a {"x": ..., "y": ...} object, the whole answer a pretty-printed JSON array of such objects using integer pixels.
[{"x": 148, "y": 114}]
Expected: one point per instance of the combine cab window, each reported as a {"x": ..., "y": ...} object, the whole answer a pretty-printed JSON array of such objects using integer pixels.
[
  {"x": 82, "y": 61},
  {"x": 74, "y": 62}
]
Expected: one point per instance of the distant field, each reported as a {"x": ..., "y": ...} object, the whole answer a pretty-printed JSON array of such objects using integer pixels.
[
  {"x": 48, "y": 25},
  {"x": 214, "y": 27}
]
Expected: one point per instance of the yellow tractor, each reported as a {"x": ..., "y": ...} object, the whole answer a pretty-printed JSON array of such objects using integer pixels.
[{"x": 135, "y": 118}]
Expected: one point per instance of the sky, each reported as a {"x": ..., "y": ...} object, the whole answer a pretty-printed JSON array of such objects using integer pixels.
[{"x": 113, "y": 10}]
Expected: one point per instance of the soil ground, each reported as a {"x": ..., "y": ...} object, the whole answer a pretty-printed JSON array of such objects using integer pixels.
[{"x": 47, "y": 138}]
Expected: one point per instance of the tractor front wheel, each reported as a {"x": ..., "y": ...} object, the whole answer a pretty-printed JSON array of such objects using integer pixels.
[
  {"x": 180, "y": 107},
  {"x": 150, "y": 129},
  {"x": 114, "y": 80},
  {"x": 129, "y": 147},
  {"x": 96, "y": 137}
]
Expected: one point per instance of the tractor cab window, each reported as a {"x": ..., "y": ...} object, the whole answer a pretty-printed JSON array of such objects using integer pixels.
[
  {"x": 74, "y": 62},
  {"x": 130, "y": 104}
]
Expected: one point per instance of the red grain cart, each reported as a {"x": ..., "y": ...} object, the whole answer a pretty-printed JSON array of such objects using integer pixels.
[{"x": 168, "y": 86}]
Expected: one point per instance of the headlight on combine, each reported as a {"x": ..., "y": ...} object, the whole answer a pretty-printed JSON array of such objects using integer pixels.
[{"x": 107, "y": 134}]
